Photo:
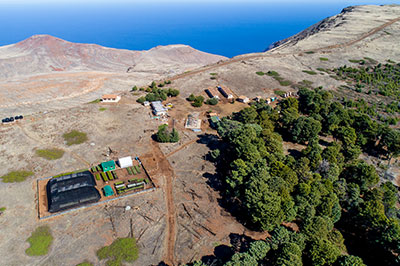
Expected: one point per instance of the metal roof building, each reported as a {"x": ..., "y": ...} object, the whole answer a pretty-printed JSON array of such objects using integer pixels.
[
  {"x": 158, "y": 108},
  {"x": 71, "y": 191},
  {"x": 108, "y": 166}
]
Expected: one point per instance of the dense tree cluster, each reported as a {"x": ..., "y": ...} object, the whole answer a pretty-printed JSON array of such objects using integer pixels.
[
  {"x": 325, "y": 190},
  {"x": 163, "y": 135},
  {"x": 157, "y": 94}
]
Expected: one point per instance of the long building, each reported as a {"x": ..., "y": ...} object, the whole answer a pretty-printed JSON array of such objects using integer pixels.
[{"x": 71, "y": 191}]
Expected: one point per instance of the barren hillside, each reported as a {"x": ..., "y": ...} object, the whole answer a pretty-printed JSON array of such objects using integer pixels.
[{"x": 45, "y": 54}]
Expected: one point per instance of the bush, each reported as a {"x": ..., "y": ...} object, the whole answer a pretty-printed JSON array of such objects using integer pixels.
[
  {"x": 168, "y": 82},
  {"x": 75, "y": 137},
  {"x": 191, "y": 98},
  {"x": 16, "y": 176},
  {"x": 310, "y": 72},
  {"x": 40, "y": 241},
  {"x": 272, "y": 73},
  {"x": 101, "y": 109},
  {"x": 310, "y": 52},
  {"x": 279, "y": 93},
  {"x": 260, "y": 73},
  {"x": 141, "y": 100},
  {"x": 212, "y": 101},
  {"x": 50, "y": 154},
  {"x": 172, "y": 92},
  {"x": 121, "y": 250},
  {"x": 285, "y": 83},
  {"x": 134, "y": 88},
  {"x": 96, "y": 101},
  {"x": 323, "y": 59},
  {"x": 164, "y": 136}
]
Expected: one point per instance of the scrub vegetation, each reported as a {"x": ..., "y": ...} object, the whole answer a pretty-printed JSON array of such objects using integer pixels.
[
  {"x": 154, "y": 93},
  {"x": 121, "y": 250},
  {"x": 40, "y": 241},
  {"x": 16, "y": 176},
  {"x": 50, "y": 154},
  {"x": 163, "y": 135},
  {"x": 75, "y": 137}
]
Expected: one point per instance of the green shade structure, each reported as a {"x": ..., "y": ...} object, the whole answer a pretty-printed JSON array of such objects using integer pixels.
[
  {"x": 108, "y": 166},
  {"x": 108, "y": 191}
]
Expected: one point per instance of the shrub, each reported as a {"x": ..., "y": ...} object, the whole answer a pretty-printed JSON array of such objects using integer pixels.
[
  {"x": 135, "y": 88},
  {"x": 285, "y": 82},
  {"x": 279, "y": 93},
  {"x": 213, "y": 74},
  {"x": 272, "y": 73},
  {"x": 96, "y": 101},
  {"x": 163, "y": 135},
  {"x": 141, "y": 99},
  {"x": 75, "y": 137},
  {"x": 212, "y": 101},
  {"x": 101, "y": 109},
  {"x": 310, "y": 52},
  {"x": 16, "y": 176},
  {"x": 121, "y": 250},
  {"x": 168, "y": 82},
  {"x": 50, "y": 154},
  {"x": 191, "y": 98},
  {"x": 2, "y": 209},
  {"x": 40, "y": 241},
  {"x": 260, "y": 73},
  {"x": 172, "y": 92},
  {"x": 310, "y": 72},
  {"x": 323, "y": 59}
]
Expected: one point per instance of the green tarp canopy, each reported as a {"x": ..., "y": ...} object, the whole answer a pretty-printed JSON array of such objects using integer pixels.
[
  {"x": 108, "y": 191},
  {"x": 108, "y": 166}
]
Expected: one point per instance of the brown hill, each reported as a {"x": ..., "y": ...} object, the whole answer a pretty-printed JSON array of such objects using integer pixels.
[{"x": 44, "y": 54}]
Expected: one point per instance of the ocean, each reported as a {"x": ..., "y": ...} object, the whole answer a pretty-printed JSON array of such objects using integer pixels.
[{"x": 224, "y": 28}]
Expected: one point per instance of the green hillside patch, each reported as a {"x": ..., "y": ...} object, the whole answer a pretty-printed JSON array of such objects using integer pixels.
[
  {"x": 121, "y": 250},
  {"x": 40, "y": 241},
  {"x": 50, "y": 154},
  {"x": 16, "y": 176},
  {"x": 75, "y": 137}
]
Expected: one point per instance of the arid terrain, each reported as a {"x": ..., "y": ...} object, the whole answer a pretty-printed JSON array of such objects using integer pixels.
[{"x": 51, "y": 83}]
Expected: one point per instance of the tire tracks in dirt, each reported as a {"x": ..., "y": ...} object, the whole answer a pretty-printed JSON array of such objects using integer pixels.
[{"x": 169, "y": 175}]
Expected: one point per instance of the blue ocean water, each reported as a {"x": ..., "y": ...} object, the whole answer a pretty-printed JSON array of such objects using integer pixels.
[{"x": 228, "y": 28}]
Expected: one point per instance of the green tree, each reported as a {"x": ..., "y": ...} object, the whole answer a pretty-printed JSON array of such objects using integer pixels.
[
  {"x": 390, "y": 143},
  {"x": 305, "y": 129},
  {"x": 174, "y": 137},
  {"x": 323, "y": 252},
  {"x": 313, "y": 153},
  {"x": 212, "y": 101},
  {"x": 362, "y": 174},
  {"x": 135, "y": 88},
  {"x": 349, "y": 260}
]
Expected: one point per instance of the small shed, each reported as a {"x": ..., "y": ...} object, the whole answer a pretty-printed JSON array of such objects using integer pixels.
[
  {"x": 108, "y": 166},
  {"x": 243, "y": 99},
  {"x": 125, "y": 162},
  {"x": 108, "y": 191},
  {"x": 110, "y": 98}
]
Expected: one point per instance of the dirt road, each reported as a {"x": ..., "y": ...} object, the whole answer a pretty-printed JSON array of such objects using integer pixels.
[{"x": 168, "y": 173}]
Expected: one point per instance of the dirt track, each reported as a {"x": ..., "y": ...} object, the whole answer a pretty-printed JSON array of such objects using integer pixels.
[
  {"x": 261, "y": 55},
  {"x": 168, "y": 173}
]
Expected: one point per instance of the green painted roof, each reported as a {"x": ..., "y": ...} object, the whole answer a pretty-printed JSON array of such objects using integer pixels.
[
  {"x": 108, "y": 191},
  {"x": 108, "y": 164},
  {"x": 214, "y": 119}
]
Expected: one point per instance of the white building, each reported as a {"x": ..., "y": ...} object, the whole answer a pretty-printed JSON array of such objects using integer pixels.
[
  {"x": 110, "y": 98},
  {"x": 125, "y": 162},
  {"x": 158, "y": 108}
]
